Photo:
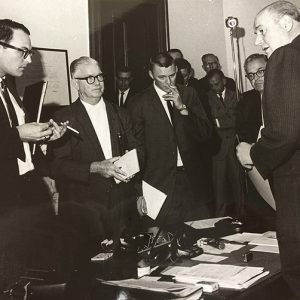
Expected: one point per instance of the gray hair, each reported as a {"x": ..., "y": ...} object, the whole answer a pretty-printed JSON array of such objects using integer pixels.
[
  {"x": 83, "y": 60},
  {"x": 252, "y": 57}
]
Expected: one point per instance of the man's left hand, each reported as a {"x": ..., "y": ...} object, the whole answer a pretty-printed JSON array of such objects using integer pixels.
[
  {"x": 243, "y": 155},
  {"x": 57, "y": 131}
]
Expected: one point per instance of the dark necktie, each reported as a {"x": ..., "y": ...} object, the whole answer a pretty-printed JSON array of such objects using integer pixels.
[
  {"x": 9, "y": 105},
  {"x": 171, "y": 111},
  {"x": 122, "y": 99},
  {"x": 221, "y": 98}
]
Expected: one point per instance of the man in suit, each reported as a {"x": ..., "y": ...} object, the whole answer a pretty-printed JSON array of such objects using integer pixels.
[
  {"x": 83, "y": 165},
  {"x": 227, "y": 180},
  {"x": 124, "y": 87},
  {"x": 276, "y": 154},
  {"x": 211, "y": 62},
  {"x": 249, "y": 124},
  {"x": 22, "y": 188},
  {"x": 171, "y": 124}
]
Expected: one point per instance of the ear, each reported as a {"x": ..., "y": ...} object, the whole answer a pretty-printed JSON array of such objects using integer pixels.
[
  {"x": 286, "y": 22},
  {"x": 150, "y": 74}
]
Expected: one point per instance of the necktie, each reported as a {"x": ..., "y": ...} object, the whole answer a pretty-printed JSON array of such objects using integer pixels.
[
  {"x": 122, "y": 99},
  {"x": 11, "y": 111},
  {"x": 171, "y": 112},
  {"x": 221, "y": 97}
]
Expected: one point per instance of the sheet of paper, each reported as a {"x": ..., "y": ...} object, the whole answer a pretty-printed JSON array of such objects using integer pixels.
[
  {"x": 268, "y": 238},
  {"x": 264, "y": 248},
  {"x": 128, "y": 163},
  {"x": 262, "y": 186},
  {"x": 228, "y": 249},
  {"x": 244, "y": 237},
  {"x": 154, "y": 199},
  {"x": 206, "y": 223},
  {"x": 209, "y": 258}
]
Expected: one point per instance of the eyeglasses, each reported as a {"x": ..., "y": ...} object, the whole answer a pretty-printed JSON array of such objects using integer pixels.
[
  {"x": 25, "y": 51},
  {"x": 259, "y": 73},
  {"x": 91, "y": 79}
]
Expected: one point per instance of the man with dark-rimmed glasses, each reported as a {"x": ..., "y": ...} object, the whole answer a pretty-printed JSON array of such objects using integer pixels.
[
  {"x": 21, "y": 186},
  {"x": 83, "y": 165}
]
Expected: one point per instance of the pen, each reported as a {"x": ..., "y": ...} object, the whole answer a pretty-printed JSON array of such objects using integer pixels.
[{"x": 70, "y": 128}]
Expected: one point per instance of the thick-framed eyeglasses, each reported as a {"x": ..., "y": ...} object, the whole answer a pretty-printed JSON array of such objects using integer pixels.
[
  {"x": 91, "y": 79},
  {"x": 25, "y": 51},
  {"x": 259, "y": 73}
]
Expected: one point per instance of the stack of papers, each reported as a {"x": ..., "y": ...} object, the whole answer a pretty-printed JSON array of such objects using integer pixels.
[
  {"x": 151, "y": 284},
  {"x": 227, "y": 276},
  {"x": 266, "y": 242}
]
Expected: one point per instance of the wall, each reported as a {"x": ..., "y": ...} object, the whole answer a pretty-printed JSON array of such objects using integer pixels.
[
  {"x": 204, "y": 30},
  {"x": 53, "y": 24}
]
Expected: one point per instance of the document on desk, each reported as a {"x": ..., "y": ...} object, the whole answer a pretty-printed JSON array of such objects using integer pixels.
[
  {"x": 209, "y": 258},
  {"x": 228, "y": 276},
  {"x": 146, "y": 283},
  {"x": 228, "y": 249},
  {"x": 268, "y": 238},
  {"x": 244, "y": 237},
  {"x": 129, "y": 163},
  {"x": 206, "y": 223},
  {"x": 154, "y": 199}
]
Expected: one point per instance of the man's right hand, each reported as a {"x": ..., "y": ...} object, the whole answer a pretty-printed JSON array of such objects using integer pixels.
[
  {"x": 107, "y": 169},
  {"x": 141, "y": 206},
  {"x": 34, "y": 132}
]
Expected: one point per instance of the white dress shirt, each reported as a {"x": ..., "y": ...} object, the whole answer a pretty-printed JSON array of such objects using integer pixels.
[
  {"x": 98, "y": 116},
  {"x": 160, "y": 93},
  {"x": 27, "y": 165}
]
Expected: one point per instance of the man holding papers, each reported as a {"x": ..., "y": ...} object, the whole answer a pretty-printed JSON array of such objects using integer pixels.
[
  {"x": 170, "y": 122},
  {"x": 84, "y": 164}
]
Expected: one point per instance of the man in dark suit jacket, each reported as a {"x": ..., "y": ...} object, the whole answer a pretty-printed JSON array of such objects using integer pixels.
[
  {"x": 227, "y": 180},
  {"x": 171, "y": 124},
  {"x": 22, "y": 188},
  {"x": 211, "y": 62},
  {"x": 124, "y": 90},
  {"x": 249, "y": 124},
  {"x": 83, "y": 164},
  {"x": 276, "y": 155}
]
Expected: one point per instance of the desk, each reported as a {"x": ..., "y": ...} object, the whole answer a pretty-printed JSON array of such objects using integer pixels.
[{"x": 270, "y": 287}]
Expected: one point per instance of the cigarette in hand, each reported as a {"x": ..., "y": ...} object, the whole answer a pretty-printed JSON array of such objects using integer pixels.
[{"x": 70, "y": 128}]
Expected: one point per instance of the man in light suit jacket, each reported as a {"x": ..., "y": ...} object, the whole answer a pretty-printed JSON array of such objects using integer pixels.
[
  {"x": 227, "y": 180},
  {"x": 276, "y": 155},
  {"x": 171, "y": 124},
  {"x": 83, "y": 163}
]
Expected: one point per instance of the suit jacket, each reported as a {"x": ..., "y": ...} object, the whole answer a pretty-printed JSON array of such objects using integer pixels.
[
  {"x": 225, "y": 113},
  {"x": 155, "y": 132},
  {"x": 73, "y": 154},
  {"x": 249, "y": 117},
  {"x": 114, "y": 97},
  {"x": 11, "y": 149},
  {"x": 277, "y": 153}
]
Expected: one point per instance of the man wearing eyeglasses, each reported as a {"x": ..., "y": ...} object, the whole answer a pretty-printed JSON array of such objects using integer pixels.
[
  {"x": 21, "y": 186},
  {"x": 249, "y": 124},
  {"x": 83, "y": 164}
]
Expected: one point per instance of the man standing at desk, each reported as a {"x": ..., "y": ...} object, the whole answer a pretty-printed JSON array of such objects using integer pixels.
[
  {"x": 276, "y": 155},
  {"x": 171, "y": 124},
  {"x": 83, "y": 163},
  {"x": 21, "y": 186}
]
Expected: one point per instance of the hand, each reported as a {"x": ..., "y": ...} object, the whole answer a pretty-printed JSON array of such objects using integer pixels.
[
  {"x": 34, "y": 132},
  {"x": 243, "y": 155},
  {"x": 107, "y": 245},
  {"x": 141, "y": 206},
  {"x": 107, "y": 169},
  {"x": 174, "y": 96},
  {"x": 57, "y": 131}
]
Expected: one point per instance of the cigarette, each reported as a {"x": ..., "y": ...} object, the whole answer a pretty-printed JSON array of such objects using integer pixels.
[{"x": 70, "y": 128}]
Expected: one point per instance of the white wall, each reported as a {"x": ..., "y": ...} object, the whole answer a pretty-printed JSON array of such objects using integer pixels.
[
  {"x": 53, "y": 24},
  {"x": 198, "y": 27}
]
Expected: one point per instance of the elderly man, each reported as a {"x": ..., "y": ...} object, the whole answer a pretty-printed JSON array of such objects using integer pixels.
[
  {"x": 93, "y": 203},
  {"x": 276, "y": 155},
  {"x": 171, "y": 124}
]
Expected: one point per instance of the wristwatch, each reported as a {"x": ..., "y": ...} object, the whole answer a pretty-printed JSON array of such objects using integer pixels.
[{"x": 183, "y": 107}]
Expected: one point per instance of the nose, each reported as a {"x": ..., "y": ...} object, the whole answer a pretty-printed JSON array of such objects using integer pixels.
[
  {"x": 258, "y": 40},
  {"x": 28, "y": 59}
]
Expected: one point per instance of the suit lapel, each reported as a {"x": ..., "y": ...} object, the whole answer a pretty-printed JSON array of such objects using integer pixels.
[
  {"x": 113, "y": 122},
  {"x": 82, "y": 117}
]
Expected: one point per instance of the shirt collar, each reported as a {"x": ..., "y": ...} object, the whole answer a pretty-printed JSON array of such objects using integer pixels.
[{"x": 91, "y": 107}]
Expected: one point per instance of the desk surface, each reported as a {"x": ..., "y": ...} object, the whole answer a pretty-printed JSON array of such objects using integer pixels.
[{"x": 269, "y": 287}]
